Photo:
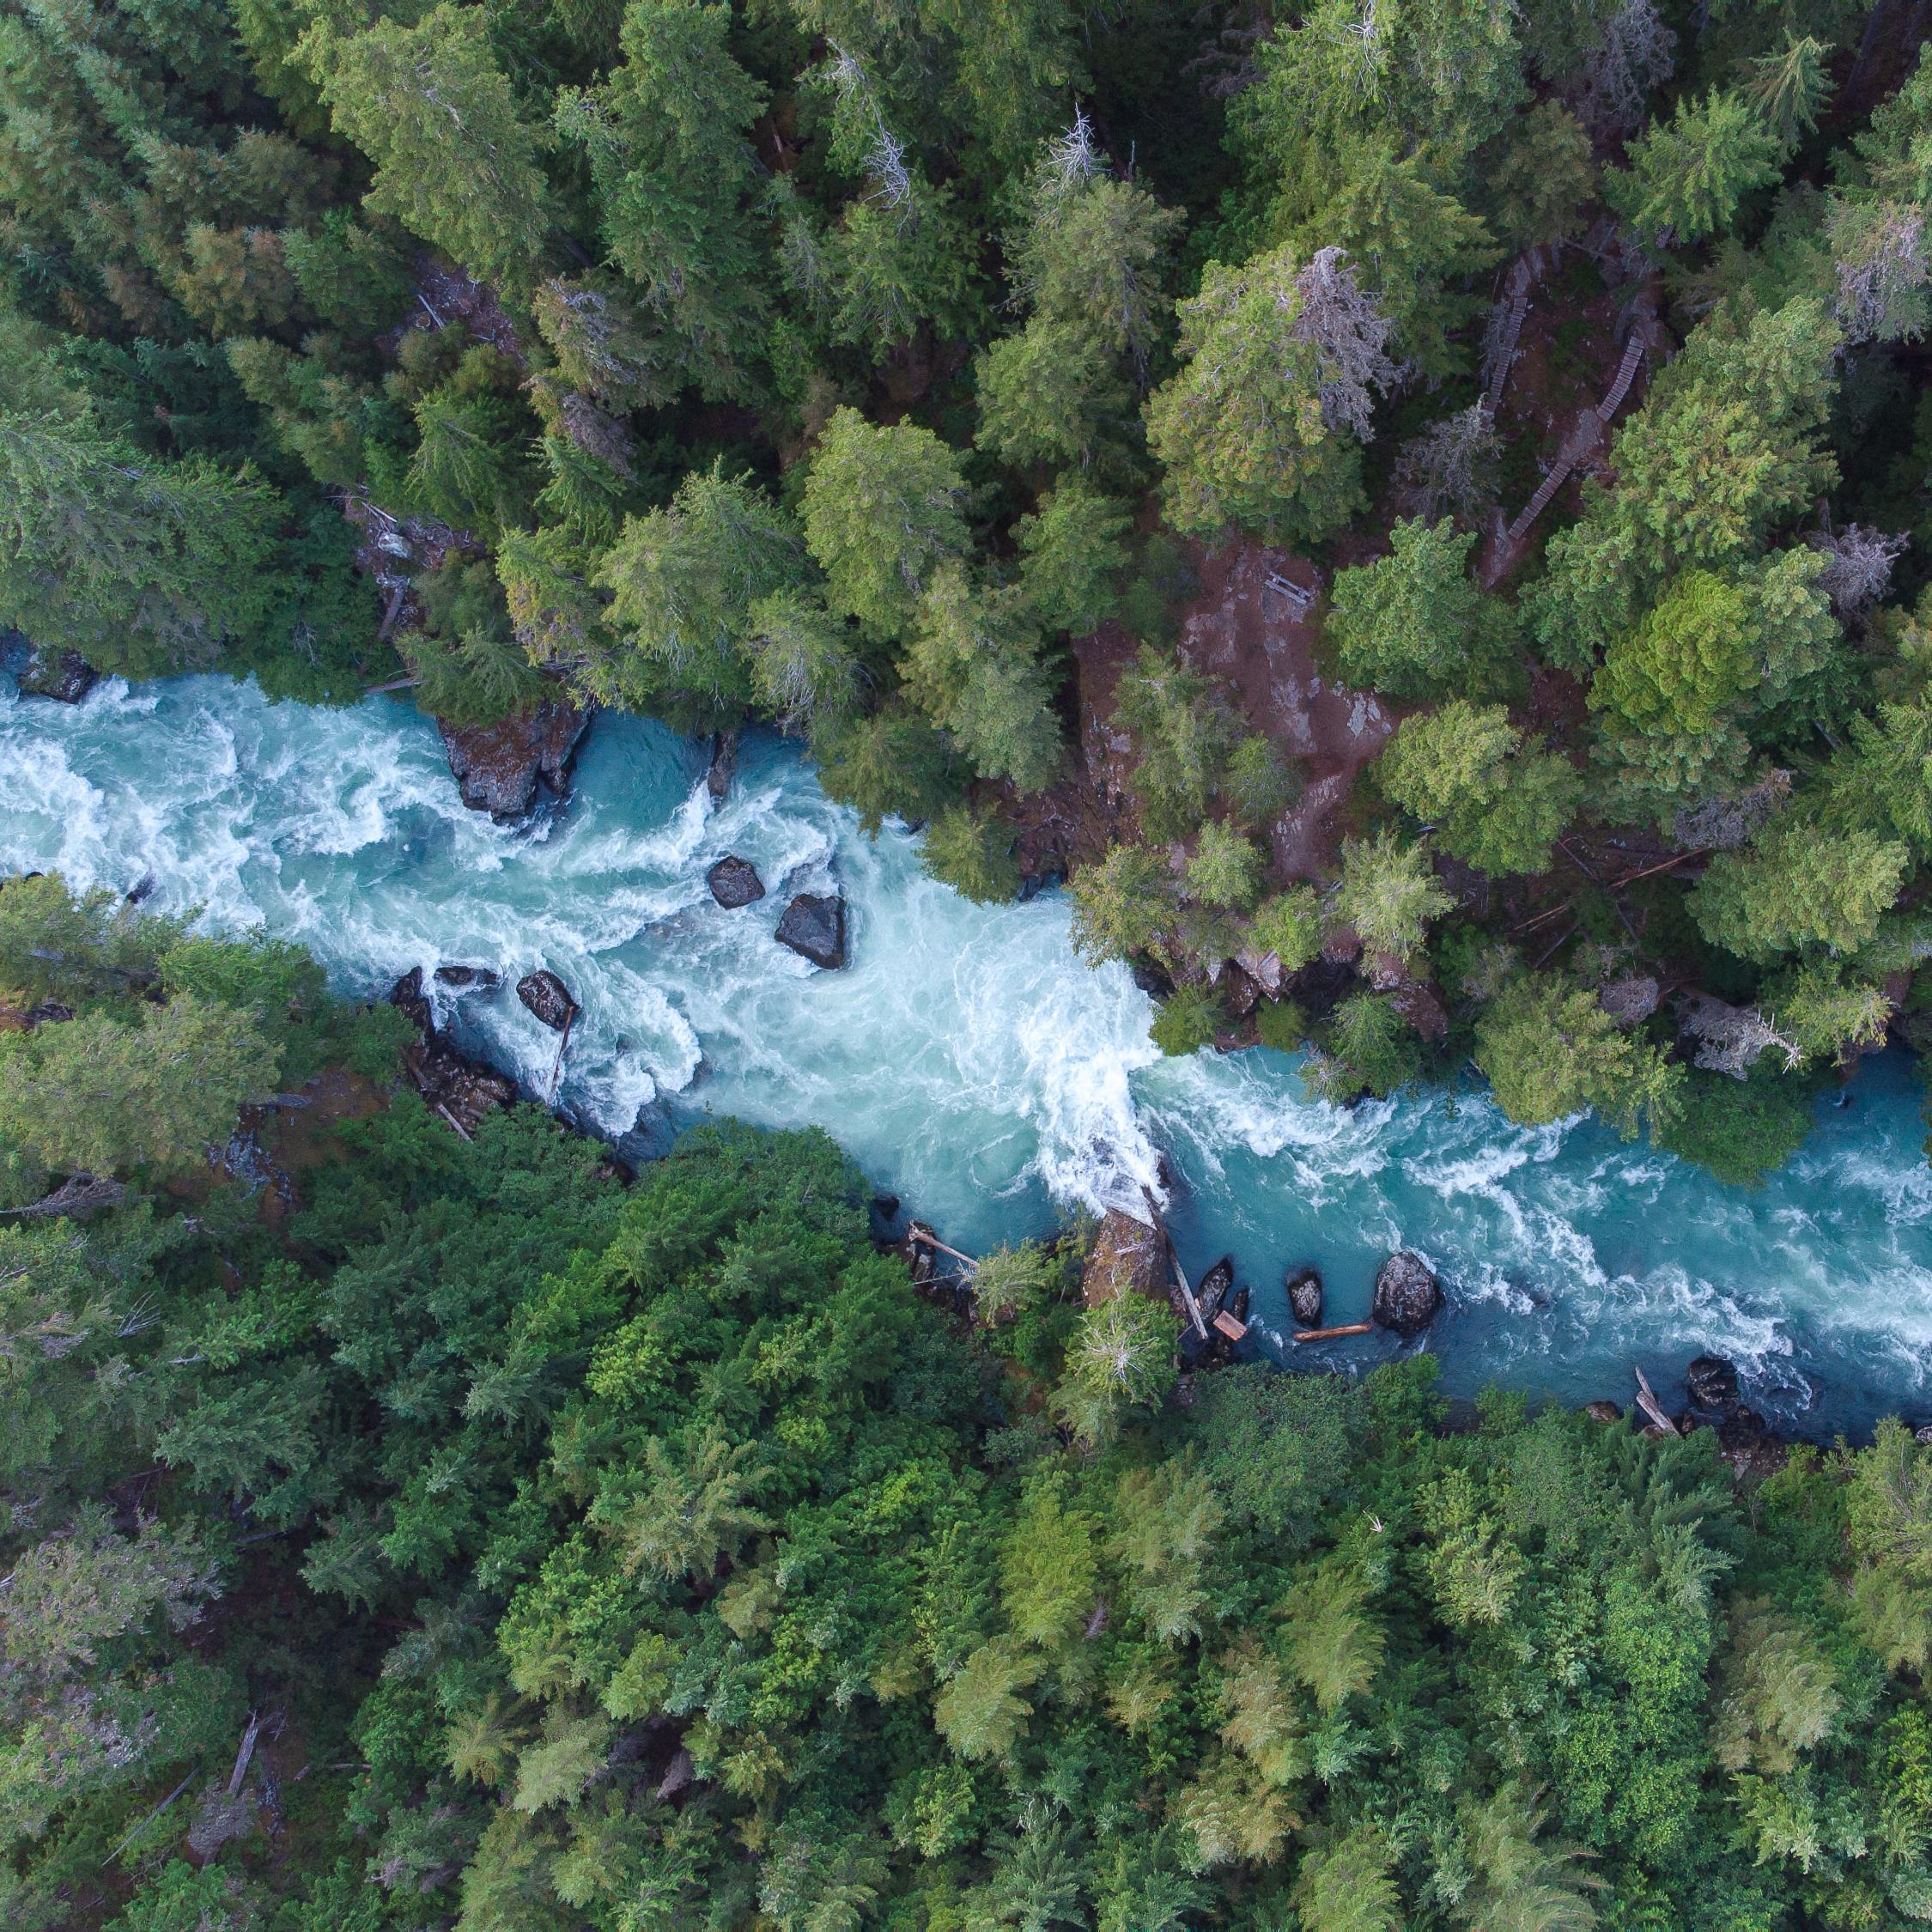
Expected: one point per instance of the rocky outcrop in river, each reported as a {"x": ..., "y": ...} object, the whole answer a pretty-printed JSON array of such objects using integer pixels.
[
  {"x": 548, "y": 998},
  {"x": 502, "y": 769},
  {"x": 1406, "y": 1296},
  {"x": 1304, "y": 1296},
  {"x": 734, "y": 881},
  {"x": 814, "y": 926}
]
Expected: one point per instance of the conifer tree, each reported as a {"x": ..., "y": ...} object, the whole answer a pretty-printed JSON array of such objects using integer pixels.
[{"x": 454, "y": 160}]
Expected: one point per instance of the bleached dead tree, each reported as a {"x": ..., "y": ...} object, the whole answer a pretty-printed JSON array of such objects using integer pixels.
[
  {"x": 885, "y": 154},
  {"x": 1723, "y": 823},
  {"x": 1449, "y": 469},
  {"x": 1636, "y": 54},
  {"x": 1730, "y": 1038},
  {"x": 1344, "y": 322},
  {"x": 1879, "y": 254},
  {"x": 1073, "y": 160},
  {"x": 1857, "y": 568}
]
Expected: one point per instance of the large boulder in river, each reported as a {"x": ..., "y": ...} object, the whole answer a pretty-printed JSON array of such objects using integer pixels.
[
  {"x": 462, "y": 979},
  {"x": 1711, "y": 1384},
  {"x": 64, "y": 675},
  {"x": 734, "y": 881},
  {"x": 1129, "y": 1257},
  {"x": 814, "y": 925},
  {"x": 500, "y": 768},
  {"x": 1304, "y": 1296},
  {"x": 549, "y": 998},
  {"x": 1406, "y": 1295}
]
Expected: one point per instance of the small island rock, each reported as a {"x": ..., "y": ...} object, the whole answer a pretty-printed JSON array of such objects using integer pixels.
[
  {"x": 814, "y": 926},
  {"x": 462, "y": 976},
  {"x": 1304, "y": 1297},
  {"x": 549, "y": 998},
  {"x": 1711, "y": 1383},
  {"x": 734, "y": 881},
  {"x": 1406, "y": 1295}
]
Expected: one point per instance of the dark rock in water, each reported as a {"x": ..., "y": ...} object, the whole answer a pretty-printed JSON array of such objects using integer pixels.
[
  {"x": 1711, "y": 1383},
  {"x": 1603, "y": 1411},
  {"x": 64, "y": 675},
  {"x": 500, "y": 768},
  {"x": 734, "y": 881},
  {"x": 549, "y": 998},
  {"x": 1033, "y": 884},
  {"x": 724, "y": 765},
  {"x": 1406, "y": 1295},
  {"x": 886, "y": 1206},
  {"x": 1237, "y": 1303},
  {"x": 1304, "y": 1296},
  {"x": 1151, "y": 980},
  {"x": 141, "y": 891},
  {"x": 814, "y": 925},
  {"x": 462, "y": 1090},
  {"x": 462, "y": 976},
  {"x": 1214, "y": 1286},
  {"x": 1129, "y": 1257}
]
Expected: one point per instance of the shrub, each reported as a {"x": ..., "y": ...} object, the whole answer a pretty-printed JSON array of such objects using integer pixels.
[{"x": 1190, "y": 1018}]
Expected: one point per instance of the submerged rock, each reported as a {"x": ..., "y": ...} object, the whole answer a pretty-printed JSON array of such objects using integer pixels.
[
  {"x": 1304, "y": 1296},
  {"x": 723, "y": 766},
  {"x": 1406, "y": 1295},
  {"x": 549, "y": 998},
  {"x": 1711, "y": 1383},
  {"x": 814, "y": 926},
  {"x": 734, "y": 881},
  {"x": 64, "y": 675},
  {"x": 499, "y": 768},
  {"x": 1129, "y": 1257},
  {"x": 464, "y": 976}
]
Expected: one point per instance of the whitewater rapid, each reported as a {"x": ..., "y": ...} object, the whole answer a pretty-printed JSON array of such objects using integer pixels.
[{"x": 967, "y": 1059}]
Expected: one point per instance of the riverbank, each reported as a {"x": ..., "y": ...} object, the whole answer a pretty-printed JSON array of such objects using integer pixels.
[{"x": 967, "y": 1059}]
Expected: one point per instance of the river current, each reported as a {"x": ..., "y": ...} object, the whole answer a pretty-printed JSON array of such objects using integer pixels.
[{"x": 968, "y": 1059}]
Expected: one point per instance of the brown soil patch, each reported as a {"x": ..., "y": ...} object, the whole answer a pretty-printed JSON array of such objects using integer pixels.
[{"x": 1253, "y": 639}]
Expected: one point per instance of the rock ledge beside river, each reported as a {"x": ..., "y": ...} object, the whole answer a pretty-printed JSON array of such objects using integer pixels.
[{"x": 499, "y": 768}]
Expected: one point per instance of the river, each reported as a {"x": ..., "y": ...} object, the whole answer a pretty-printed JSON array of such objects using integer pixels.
[{"x": 967, "y": 1059}]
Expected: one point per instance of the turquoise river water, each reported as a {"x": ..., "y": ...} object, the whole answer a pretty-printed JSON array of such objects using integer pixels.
[{"x": 968, "y": 1059}]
